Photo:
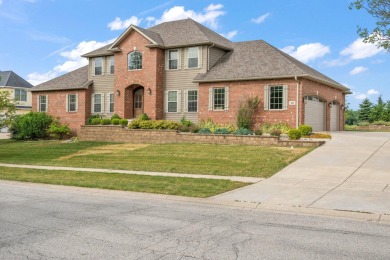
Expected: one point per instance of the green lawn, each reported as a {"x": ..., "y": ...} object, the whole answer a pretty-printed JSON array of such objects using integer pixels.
[
  {"x": 163, "y": 185},
  {"x": 228, "y": 160}
]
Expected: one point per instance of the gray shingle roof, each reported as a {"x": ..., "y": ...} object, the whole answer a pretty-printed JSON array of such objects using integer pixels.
[
  {"x": 99, "y": 52},
  {"x": 260, "y": 60},
  {"x": 11, "y": 79},
  {"x": 77, "y": 79}
]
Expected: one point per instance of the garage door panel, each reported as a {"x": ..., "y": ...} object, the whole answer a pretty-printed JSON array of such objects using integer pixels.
[
  {"x": 315, "y": 114},
  {"x": 334, "y": 117}
]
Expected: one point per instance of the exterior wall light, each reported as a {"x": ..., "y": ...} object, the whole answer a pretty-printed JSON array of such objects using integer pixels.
[
  {"x": 149, "y": 91},
  {"x": 118, "y": 92}
]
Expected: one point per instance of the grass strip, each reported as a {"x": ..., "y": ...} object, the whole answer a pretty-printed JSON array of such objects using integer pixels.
[{"x": 188, "y": 187}]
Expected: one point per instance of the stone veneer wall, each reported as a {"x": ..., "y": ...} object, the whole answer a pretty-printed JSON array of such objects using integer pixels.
[{"x": 119, "y": 134}]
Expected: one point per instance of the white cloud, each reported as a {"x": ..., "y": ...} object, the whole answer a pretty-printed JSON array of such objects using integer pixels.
[
  {"x": 360, "y": 96},
  {"x": 150, "y": 20},
  {"x": 260, "y": 19},
  {"x": 360, "y": 50},
  {"x": 372, "y": 92},
  {"x": 307, "y": 52},
  {"x": 118, "y": 24},
  {"x": 1, "y": 2},
  {"x": 230, "y": 35},
  {"x": 357, "y": 70},
  {"x": 72, "y": 61},
  {"x": 208, "y": 16}
]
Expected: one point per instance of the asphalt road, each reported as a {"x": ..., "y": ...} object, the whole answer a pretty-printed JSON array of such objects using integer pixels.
[{"x": 44, "y": 221}]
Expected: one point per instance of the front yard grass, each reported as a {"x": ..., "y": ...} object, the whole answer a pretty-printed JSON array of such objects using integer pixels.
[
  {"x": 226, "y": 160},
  {"x": 152, "y": 184}
]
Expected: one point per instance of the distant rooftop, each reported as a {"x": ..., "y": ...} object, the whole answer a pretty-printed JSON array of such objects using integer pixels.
[{"x": 11, "y": 79}]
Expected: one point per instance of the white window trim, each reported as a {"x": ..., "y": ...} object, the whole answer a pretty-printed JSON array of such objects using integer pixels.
[
  {"x": 39, "y": 103},
  {"x": 178, "y": 59},
  {"x": 20, "y": 94},
  {"x": 128, "y": 56},
  {"x": 186, "y": 101},
  {"x": 93, "y": 66},
  {"x": 109, "y": 65},
  {"x": 211, "y": 99},
  {"x": 178, "y": 95},
  {"x": 101, "y": 100},
  {"x": 199, "y": 58},
  {"x": 67, "y": 103},
  {"x": 267, "y": 97}
]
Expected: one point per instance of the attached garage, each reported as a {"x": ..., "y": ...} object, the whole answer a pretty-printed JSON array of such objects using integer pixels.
[
  {"x": 334, "y": 116},
  {"x": 315, "y": 113}
]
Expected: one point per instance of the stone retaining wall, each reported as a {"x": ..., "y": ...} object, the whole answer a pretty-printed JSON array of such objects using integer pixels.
[
  {"x": 374, "y": 128},
  {"x": 139, "y": 136}
]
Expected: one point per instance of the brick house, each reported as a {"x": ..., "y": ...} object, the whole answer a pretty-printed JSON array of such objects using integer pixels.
[{"x": 182, "y": 68}]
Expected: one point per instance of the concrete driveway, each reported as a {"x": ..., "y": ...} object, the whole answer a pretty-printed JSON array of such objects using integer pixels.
[
  {"x": 5, "y": 136},
  {"x": 351, "y": 172}
]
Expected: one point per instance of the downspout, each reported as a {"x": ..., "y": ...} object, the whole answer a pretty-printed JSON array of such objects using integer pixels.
[{"x": 297, "y": 103}]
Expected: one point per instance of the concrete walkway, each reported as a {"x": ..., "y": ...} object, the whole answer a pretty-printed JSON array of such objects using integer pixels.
[
  {"x": 351, "y": 172},
  {"x": 163, "y": 174}
]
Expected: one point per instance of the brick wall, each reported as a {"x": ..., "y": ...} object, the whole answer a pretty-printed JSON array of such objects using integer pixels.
[
  {"x": 119, "y": 134},
  {"x": 149, "y": 77},
  {"x": 57, "y": 106}
]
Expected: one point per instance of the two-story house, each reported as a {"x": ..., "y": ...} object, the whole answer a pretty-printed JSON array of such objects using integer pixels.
[{"x": 182, "y": 68}]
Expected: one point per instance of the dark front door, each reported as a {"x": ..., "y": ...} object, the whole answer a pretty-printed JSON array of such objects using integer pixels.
[{"x": 138, "y": 102}]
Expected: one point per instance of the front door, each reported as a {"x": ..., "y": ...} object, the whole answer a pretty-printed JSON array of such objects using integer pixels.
[{"x": 138, "y": 102}]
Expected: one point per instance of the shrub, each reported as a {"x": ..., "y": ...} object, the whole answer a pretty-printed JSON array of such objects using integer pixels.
[
  {"x": 294, "y": 134},
  {"x": 115, "y": 116},
  {"x": 134, "y": 124},
  {"x": 106, "y": 121},
  {"x": 276, "y": 132},
  {"x": 381, "y": 122},
  {"x": 115, "y": 121},
  {"x": 146, "y": 124},
  {"x": 350, "y": 127},
  {"x": 258, "y": 132},
  {"x": 305, "y": 129},
  {"x": 143, "y": 117},
  {"x": 96, "y": 121},
  {"x": 204, "y": 131},
  {"x": 123, "y": 122},
  {"x": 58, "y": 130},
  {"x": 246, "y": 111},
  {"x": 364, "y": 123},
  {"x": 172, "y": 125},
  {"x": 32, "y": 125},
  {"x": 192, "y": 128},
  {"x": 221, "y": 131},
  {"x": 91, "y": 117},
  {"x": 185, "y": 122},
  {"x": 243, "y": 131},
  {"x": 283, "y": 127},
  {"x": 213, "y": 126}
]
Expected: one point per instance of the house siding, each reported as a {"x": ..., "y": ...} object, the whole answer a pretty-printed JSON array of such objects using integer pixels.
[{"x": 214, "y": 55}]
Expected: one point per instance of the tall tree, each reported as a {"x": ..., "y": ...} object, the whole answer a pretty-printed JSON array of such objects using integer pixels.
[
  {"x": 7, "y": 108},
  {"x": 378, "y": 111},
  {"x": 380, "y": 10},
  {"x": 365, "y": 109}
]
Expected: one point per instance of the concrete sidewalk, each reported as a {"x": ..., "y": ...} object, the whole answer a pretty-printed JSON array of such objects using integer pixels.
[
  {"x": 351, "y": 172},
  {"x": 5, "y": 136}
]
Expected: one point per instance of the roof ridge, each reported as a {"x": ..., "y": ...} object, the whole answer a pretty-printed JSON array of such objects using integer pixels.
[{"x": 63, "y": 75}]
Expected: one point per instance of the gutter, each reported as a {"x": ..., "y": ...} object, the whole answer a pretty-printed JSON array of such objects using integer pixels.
[{"x": 297, "y": 103}]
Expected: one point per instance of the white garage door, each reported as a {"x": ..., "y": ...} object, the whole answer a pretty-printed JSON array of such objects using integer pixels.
[
  {"x": 315, "y": 113},
  {"x": 334, "y": 117}
]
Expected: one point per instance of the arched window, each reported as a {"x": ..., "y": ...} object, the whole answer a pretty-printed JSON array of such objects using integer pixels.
[{"x": 134, "y": 60}]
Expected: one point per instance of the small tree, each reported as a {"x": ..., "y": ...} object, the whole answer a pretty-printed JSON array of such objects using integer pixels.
[
  {"x": 365, "y": 109},
  {"x": 7, "y": 108},
  {"x": 246, "y": 112},
  {"x": 378, "y": 111}
]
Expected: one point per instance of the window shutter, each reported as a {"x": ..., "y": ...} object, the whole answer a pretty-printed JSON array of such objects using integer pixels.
[
  {"x": 200, "y": 57},
  {"x": 186, "y": 58},
  {"x": 77, "y": 102},
  {"x": 179, "y": 101},
  {"x": 210, "y": 99},
  {"x": 285, "y": 97},
  {"x": 67, "y": 103},
  {"x": 266, "y": 97},
  {"x": 38, "y": 105},
  {"x": 179, "y": 59},
  {"x": 102, "y": 99},
  {"x": 107, "y": 100},
  {"x": 226, "y": 98},
  {"x": 166, "y": 59},
  {"x": 165, "y": 101},
  {"x": 185, "y": 101},
  {"x": 93, "y": 103},
  {"x": 47, "y": 103}
]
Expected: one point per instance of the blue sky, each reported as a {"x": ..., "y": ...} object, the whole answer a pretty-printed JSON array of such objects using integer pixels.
[{"x": 42, "y": 39}]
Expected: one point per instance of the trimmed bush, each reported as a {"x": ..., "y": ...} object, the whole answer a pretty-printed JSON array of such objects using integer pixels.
[
  {"x": 58, "y": 130},
  {"x": 106, "y": 121},
  {"x": 294, "y": 134},
  {"x": 30, "y": 126},
  {"x": 243, "y": 131},
  {"x": 96, "y": 121},
  {"x": 91, "y": 117},
  {"x": 185, "y": 122},
  {"x": 364, "y": 123},
  {"x": 276, "y": 132},
  {"x": 123, "y": 122},
  {"x": 204, "y": 131},
  {"x": 115, "y": 121},
  {"x": 143, "y": 117},
  {"x": 305, "y": 129},
  {"x": 192, "y": 128},
  {"x": 221, "y": 131},
  {"x": 258, "y": 132},
  {"x": 115, "y": 116}
]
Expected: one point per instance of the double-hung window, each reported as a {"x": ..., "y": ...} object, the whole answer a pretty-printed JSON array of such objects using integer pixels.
[
  {"x": 111, "y": 65},
  {"x": 134, "y": 60},
  {"x": 192, "y": 101},
  {"x": 173, "y": 59},
  {"x": 275, "y": 97},
  {"x": 97, "y": 103},
  {"x": 172, "y": 101},
  {"x": 193, "y": 57},
  {"x": 219, "y": 99},
  {"x": 20, "y": 95},
  {"x": 98, "y": 66},
  {"x": 42, "y": 103},
  {"x": 72, "y": 103}
]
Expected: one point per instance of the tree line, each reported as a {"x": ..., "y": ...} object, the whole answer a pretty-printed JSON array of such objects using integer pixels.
[{"x": 369, "y": 112}]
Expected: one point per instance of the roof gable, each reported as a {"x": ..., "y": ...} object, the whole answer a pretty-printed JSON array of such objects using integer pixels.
[
  {"x": 11, "y": 79},
  {"x": 150, "y": 36}
]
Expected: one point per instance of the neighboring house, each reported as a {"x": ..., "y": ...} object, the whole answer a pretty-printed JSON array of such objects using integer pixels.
[
  {"x": 19, "y": 89},
  {"x": 182, "y": 68}
]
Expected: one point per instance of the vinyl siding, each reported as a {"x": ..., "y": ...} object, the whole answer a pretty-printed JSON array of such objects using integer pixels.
[
  {"x": 181, "y": 79},
  {"x": 214, "y": 55}
]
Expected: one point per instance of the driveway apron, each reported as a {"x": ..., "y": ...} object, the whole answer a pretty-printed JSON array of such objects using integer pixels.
[{"x": 350, "y": 172}]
